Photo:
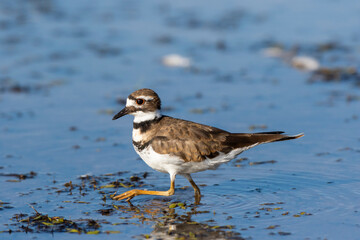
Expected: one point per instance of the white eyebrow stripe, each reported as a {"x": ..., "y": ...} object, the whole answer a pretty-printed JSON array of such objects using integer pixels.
[{"x": 147, "y": 98}]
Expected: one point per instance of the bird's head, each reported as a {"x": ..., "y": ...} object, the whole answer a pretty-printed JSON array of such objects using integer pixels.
[{"x": 144, "y": 104}]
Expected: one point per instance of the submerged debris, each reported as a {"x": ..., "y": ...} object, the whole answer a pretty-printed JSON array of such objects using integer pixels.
[
  {"x": 302, "y": 214},
  {"x": 330, "y": 46},
  {"x": 306, "y": 58},
  {"x": 237, "y": 162},
  {"x": 73, "y": 128},
  {"x": 38, "y": 223},
  {"x": 19, "y": 176},
  {"x": 104, "y": 50},
  {"x": 262, "y": 162},
  {"x": 8, "y": 85},
  {"x": 16, "y": 88},
  {"x": 272, "y": 226},
  {"x": 106, "y": 111},
  {"x": 254, "y": 127},
  {"x": 336, "y": 74},
  {"x": 106, "y": 183},
  {"x": 228, "y": 21},
  {"x": 284, "y": 233},
  {"x": 5, "y": 205},
  {"x": 202, "y": 110},
  {"x": 164, "y": 39}
]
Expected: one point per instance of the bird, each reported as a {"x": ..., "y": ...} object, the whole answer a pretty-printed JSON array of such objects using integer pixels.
[{"x": 180, "y": 147}]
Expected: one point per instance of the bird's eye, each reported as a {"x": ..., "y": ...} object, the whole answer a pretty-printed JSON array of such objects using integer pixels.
[{"x": 140, "y": 101}]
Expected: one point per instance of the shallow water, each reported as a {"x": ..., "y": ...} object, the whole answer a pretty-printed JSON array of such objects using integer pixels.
[{"x": 65, "y": 69}]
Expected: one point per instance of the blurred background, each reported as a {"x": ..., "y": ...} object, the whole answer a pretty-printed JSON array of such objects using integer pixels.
[{"x": 66, "y": 67}]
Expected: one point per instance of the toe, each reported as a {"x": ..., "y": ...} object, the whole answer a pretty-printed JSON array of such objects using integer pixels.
[
  {"x": 129, "y": 195},
  {"x": 121, "y": 196}
]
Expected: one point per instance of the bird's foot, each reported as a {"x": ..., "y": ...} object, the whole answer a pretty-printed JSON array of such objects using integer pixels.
[{"x": 126, "y": 195}]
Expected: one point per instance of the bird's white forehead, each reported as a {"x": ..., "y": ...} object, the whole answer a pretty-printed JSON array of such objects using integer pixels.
[{"x": 130, "y": 102}]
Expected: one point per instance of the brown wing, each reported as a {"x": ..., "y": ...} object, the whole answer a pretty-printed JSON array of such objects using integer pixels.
[
  {"x": 188, "y": 140},
  {"x": 196, "y": 142}
]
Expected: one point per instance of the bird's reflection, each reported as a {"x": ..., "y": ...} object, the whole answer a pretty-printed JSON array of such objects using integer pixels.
[{"x": 174, "y": 220}]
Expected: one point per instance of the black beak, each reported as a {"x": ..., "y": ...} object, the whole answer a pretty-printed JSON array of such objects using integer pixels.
[{"x": 123, "y": 112}]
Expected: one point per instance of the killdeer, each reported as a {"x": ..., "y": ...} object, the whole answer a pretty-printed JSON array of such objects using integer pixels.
[{"x": 177, "y": 146}]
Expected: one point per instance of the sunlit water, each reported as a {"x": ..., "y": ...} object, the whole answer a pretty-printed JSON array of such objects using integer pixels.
[{"x": 73, "y": 60}]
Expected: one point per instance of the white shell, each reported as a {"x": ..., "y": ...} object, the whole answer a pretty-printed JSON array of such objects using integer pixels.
[
  {"x": 175, "y": 60},
  {"x": 305, "y": 63}
]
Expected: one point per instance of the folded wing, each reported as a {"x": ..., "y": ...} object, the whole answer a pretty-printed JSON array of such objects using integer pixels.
[{"x": 196, "y": 142}]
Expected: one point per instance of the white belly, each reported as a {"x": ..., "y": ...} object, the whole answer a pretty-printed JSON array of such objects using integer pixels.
[
  {"x": 160, "y": 162},
  {"x": 175, "y": 165}
]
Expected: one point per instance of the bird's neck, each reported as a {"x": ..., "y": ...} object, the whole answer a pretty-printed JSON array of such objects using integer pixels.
[
  {"x": 141, "y": 117},
  {"x": 143, "y": 124}
]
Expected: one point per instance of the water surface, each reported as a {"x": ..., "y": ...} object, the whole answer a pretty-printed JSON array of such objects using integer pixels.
[{"x": 66, "y": 68}]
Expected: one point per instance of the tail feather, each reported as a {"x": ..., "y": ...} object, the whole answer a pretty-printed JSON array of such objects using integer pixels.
[
  {"x": 291, "y": 137},
  {"x": 275, "y": 132},
  {"x": 238, "y": 140}
]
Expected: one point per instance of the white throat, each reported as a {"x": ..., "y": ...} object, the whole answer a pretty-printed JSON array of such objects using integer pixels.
[{"x": 146, "y": 116}]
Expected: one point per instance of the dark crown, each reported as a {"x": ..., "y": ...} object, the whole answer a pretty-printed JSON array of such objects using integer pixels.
[{"x": 146, "y": 92}]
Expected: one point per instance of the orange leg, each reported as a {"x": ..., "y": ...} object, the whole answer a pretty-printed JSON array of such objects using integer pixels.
[
  {"x": 135, "y": 192},
  {"x": 196, "y": 188}
]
